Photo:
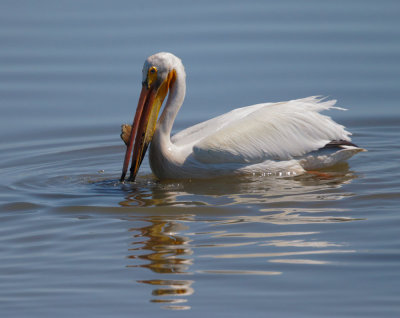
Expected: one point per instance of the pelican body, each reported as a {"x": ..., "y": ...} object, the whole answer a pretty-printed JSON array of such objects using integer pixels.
[{"x": 286, "y": 138}]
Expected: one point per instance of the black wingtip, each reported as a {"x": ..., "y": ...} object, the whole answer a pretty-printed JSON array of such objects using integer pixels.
[{"x": 338, "y": 144}]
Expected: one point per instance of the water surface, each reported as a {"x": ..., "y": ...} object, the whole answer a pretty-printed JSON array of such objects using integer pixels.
[{"x": 75, "y": 241}]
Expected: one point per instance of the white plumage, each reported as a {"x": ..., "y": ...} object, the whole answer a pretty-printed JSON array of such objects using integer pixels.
[
  {"x": 276, "y": 131},
  {"x": 274, "y": 138}
]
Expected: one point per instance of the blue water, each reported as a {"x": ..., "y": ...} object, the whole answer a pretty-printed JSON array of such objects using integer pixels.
[{"x": 75, "y": 242}]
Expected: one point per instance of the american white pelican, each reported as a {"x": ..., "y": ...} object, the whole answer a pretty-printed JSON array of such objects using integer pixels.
[{"x": 272, "y": 138}]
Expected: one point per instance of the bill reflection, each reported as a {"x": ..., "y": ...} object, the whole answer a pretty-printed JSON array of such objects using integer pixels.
[{"x": 164, "y": 252}]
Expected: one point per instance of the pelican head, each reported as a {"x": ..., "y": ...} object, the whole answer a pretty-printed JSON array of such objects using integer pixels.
[{"x": 159, "y": 76}]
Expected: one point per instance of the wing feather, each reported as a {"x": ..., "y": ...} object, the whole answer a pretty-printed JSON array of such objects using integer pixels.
[
  {"x": 199, "y": 131},
  {"x": 274, "y": 131}
]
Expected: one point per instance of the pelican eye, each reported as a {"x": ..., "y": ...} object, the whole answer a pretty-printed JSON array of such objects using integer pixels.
[{"x": 151, "y": 75}]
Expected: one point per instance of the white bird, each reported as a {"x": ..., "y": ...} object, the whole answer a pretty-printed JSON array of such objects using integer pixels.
[{"x": 285, "y": 138}]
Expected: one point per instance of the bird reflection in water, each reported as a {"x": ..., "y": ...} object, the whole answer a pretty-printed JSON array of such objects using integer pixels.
[
  {"x": 165, "y": 253},
  {"x": 161, "y": 247},
  {"x": 257, "y": 190}
]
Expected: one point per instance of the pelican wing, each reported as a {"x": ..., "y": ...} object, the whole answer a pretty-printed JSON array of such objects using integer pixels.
[
  {"x": 198, "y": 132},
  {"x": 275, "y": 131}
]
